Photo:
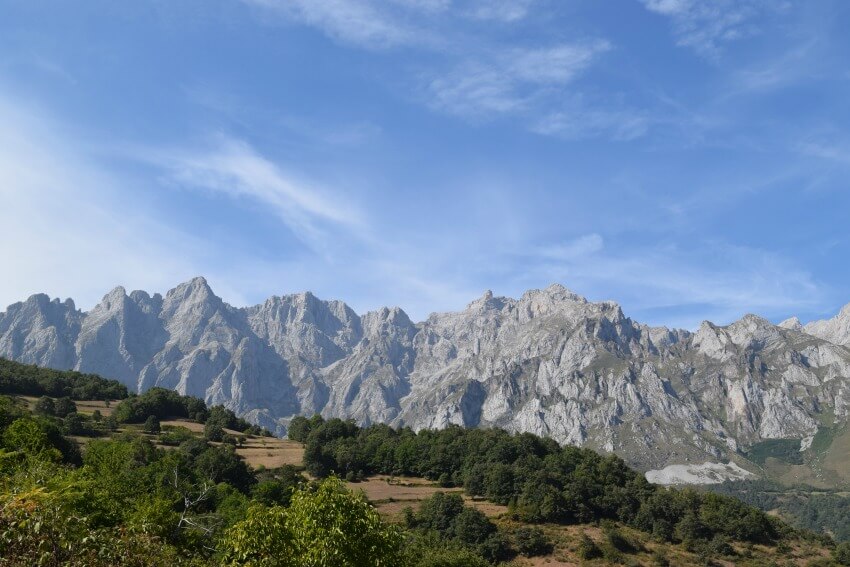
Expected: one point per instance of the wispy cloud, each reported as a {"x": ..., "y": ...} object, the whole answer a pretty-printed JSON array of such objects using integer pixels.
[
  {"x": 80, "y": 228},
  {"x": 474, "y": 90},
  {"x": 831, "y": 150},
  {"x": 509, "y": 81},
  {"x": 472, "y": 77},
  {"x": 706, "y": 25},
  {"x": 578, "y": 120},
  {"x": 232, "y": 167},
  {"x": 535, "y": 86},
  {"x": 500, "y": 10},
  {"x": 71, "y": 217},
  {"x": 364, "y": 23},
  {"x": 573, "y": 249},
  {"x": 378, "y": 24},
  {"x": 77, "y": 228},
  {"x": 666, "y": 284}
]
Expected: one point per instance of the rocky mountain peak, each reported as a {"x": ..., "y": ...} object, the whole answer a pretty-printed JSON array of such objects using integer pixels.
[
  {"x": 835, "y": 330},
  {"x": 38, "y": 301},
  {"x": 113, "y": 300},
  {"x": 487, "y": 302},
  {"x": 190, "y": 294},
  {"x": 551, "y": 362},
  {"x": 197, "y": 286},
  {"x": 752, "y": 330},
  {"x": 792, "y": 324},
  {"x": 387, "y": 320}
]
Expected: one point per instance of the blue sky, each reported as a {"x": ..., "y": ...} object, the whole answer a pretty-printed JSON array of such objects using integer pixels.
[{"x": 686, "y": 158}]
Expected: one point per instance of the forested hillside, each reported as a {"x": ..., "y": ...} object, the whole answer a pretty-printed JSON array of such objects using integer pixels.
[
  {"x": 31, "y": 380},
  {"x": 157, "y": 479},
  {"x": 819, "y": 510},
  {"x": 539, "y": 480}
]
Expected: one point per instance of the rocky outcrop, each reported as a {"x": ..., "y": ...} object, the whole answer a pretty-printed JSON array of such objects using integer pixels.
[
  {"x": 835, "y": 330},
  {"x": 550, "y": 362}
]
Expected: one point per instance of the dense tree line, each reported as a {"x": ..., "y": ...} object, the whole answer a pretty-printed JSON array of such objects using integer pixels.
[
  {"x": 162, "y": 403},
  {"x": 822, "y": 511},
  {"x": 29, "y": 380},
  {"x": 540, "y": 480}
]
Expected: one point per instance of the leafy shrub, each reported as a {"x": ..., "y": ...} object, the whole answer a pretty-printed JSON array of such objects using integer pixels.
[
  {"x": 174, "y": 436},
  {"x": 213, "y": 431},
  {"x": 64, "y": 406},
  {"x": 45, "y": 406},
  {"x": 587, "y": 548},
  {"x": 74, "y": 424},
  {"x": 531, "y": 541},
  {"x": 618, "y": 540},
  {"x": 328, "y": 526},
  {"x": 152, "y": 425},
  {"x": 842, "y": 554}
]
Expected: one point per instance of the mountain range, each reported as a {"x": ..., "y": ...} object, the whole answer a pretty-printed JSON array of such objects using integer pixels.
[{"x": 550, "y": 363}]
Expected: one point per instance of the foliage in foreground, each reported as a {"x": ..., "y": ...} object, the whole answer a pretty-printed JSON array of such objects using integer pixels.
[
  {"x": 124, "y": 501},
  {"x": 329, "y": 526}
]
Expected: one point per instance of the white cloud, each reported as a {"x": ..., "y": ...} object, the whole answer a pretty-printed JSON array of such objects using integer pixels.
[
  {"x": 830, "y": 150},
  {"x": 578, "y": 120},
  {"x": 721, "y": 282},
  {"x": 360, "y": 22},
  {"x": 556, "y": 65},
  {"x": 232, "y": 167},
  {"x": 573, "y": 249},
  {"x": 509, "y": 81},
  {"x": 475, "y": 80},
  {"x": 706, "y": 25},
  {"x": 75, "y": 229},
  {"x": 499, "y": 10},
  {"x": 475, "y": 90},
  {"x": 388, "y": 23},
  {"x": 536, "y": 86},
  {"x": 70, "y": 227}
]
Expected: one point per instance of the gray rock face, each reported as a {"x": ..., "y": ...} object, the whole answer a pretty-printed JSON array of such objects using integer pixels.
[
  {"x": 551, "y": 363},
  {"x": 835, "y": 330}
]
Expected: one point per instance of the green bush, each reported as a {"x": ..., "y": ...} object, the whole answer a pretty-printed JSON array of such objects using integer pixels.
[
  {"x": 45, "y": 406},
  {"x": 842, "y": 554},
  {"x": 531, "y": 541},
  {"x": 64, "y": 406},
  {"x": 587, "y": 548},
  {"x": 152, "y": 425}
]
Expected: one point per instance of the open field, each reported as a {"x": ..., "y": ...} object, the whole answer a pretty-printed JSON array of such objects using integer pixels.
[
  {"x": 271, "y": 452},
  {"x": 192, "y": 426},
  {"x": 391, "y": 495},
  {"x": 83, "y": 406},
  {"x": 258, "y": 451},
  {"x": 89, "y": 406}
]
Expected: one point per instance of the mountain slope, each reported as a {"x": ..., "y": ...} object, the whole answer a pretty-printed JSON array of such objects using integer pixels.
[{"x": 550, "y": 362}]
